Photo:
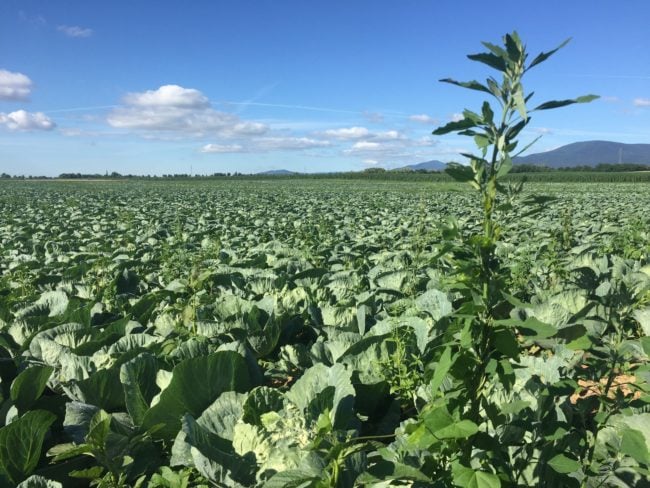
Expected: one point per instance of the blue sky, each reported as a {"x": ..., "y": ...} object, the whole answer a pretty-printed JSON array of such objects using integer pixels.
[{"x": 154, "y": 87}]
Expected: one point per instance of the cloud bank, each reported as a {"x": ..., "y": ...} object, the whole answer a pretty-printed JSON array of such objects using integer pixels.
[
  {"x": 173, "y": 108},
  {"x": 14, "y": 86},
  {"x": 423, "y": 119},
  {"x": 268, "y": 144},
  {"x": 20, "y": 120}
]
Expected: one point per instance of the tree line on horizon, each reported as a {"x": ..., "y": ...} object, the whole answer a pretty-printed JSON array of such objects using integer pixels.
[{"x": 519, "y": 168}]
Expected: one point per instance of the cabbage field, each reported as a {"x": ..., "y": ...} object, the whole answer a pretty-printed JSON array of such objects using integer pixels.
[{"x": 316, "y": 333}]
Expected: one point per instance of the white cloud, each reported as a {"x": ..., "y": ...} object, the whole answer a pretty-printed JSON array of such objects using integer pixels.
[
  {"x": 366, "y": 146},
  {"x": 394, "y": 148},
  {"x": 168, "y": 96},
  {"x": 389, "y": 141},
  {"x": 75, "y": 30},
  {"x": 289, "y": 143},
  {"x": 222, "y": 148},
  {"x": 171, "y": 119},
  {"x": 14, "y": 86},
  {"x": 20, "y": 120},
  {"x": 423, "y": 119},
  {"x": 249, "y": 129},
  {"x": 456, "y": 117},
  {"x": 642, "y": 102},
  {"x": 268, "y": 144},
  {"x": 172, "y": 108},
  {"x": 353, "y": 133},
  {"x": 371, "y": 162},
  {"x": 389, "y": 135},
  {"x": 543, "y": 130},
  {"x": 610, "y": 99},
  {"x": 347, "y": 133}
]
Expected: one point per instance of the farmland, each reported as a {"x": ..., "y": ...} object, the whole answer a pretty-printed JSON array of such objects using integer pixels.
[{"x": 314, "y": 332}]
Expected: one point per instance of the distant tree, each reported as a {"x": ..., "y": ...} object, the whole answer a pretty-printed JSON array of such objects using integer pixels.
[{"x": 530, "y": 168}]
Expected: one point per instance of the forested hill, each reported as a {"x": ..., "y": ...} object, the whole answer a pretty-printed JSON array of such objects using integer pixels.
[{"x": 589, "y": 153}]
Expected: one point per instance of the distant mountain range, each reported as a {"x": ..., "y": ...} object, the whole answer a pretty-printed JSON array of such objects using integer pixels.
[
  {"x": 433, "y": 165},
  {"x": 589, "y": 153},
  {"x": 426, "y": 166},
  {"x": 586, "y": 153}
]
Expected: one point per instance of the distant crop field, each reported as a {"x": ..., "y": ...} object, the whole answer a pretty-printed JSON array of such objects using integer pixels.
[{"x": 264, "y": 333}]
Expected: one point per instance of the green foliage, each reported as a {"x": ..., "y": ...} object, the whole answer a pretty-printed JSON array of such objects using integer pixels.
[
  {"x": 20, "y": 446},
  {"x": 480, "y": 361},
  {"x": 36, "y": 481},
  {"x": 367, "y": 329},
  {"x": 332, "y": 333},
  {"x": 496, "y": 133},
  {"x": 29, "y": 386},
  {"x": 195, "y": 384},
  {"x": 403, "y": 370}
]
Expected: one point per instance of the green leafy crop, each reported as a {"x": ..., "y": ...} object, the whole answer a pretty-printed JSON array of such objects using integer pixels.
[{"x": 330, "y": 333}]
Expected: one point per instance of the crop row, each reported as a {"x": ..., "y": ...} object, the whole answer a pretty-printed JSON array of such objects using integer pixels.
[{"x": 294, "y": 333}]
